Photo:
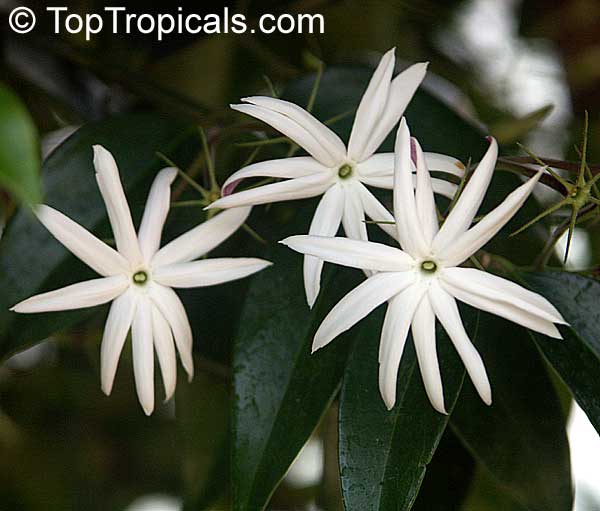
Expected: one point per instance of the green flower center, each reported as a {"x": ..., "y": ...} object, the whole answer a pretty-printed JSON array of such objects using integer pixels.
[
  {"x": 345, "y": 171},
  {"x": 428, "y": 266},
  {"x": 140, "y": 278}
]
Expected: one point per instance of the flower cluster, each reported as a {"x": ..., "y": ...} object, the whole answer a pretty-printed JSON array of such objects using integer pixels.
[{"x": 420, "y": 281}]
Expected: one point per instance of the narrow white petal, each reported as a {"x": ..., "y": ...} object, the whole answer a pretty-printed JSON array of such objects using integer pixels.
[
  {"x": 465, "y": 209},
  {"x": 424, "y": 197},
  {"x": 410, "y": 232},
  {"x": 437, "y": 162},
  {"x": 143, "y": 353},
  {"x": 172, "y": 309},
  {"x": 77, "y": 296},
  {"x": 353, "y": 217},
  {"x": 393, "y": 338},
  {"x": 325, "y": 222},
  {"x": 292, "y": 189},
  {"x": 400, "y": 93},
  {"x": 117, "y": 326},
  {"x": 300, "y": 126},
  {"x": 208, "y": 272},
  {"x": 440, "y": 186},
  {"x": 499, "y": 303},
  {"x": 377, "y": 211},
  {"x": 382, "y": 164},
  {"x": 364, "y": 255},
  {"x": 298, "y": 166},
  {"x": 155, "y": 213},
  {"x": 423, "y": 332},
  {"x": 358, "y": 303},
  {"x": 202, "y": 238},
  {"x": 371, "y": 106},
  {"x": 477, "y": 236},
  {"x": 165, "y": 351},
  {"x": 498, "y": 289},
  {"x": 446, "y": 310},
  {"x": 109, "y": 182},
  {"x": 83, "y": 244}
]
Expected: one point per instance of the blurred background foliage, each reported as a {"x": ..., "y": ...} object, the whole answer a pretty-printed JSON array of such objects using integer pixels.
[{"x": 524, "y": 70}]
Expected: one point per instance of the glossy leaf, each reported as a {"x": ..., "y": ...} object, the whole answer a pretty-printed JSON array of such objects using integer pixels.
[
  {"x": 31, "y": 260},
  {"x": 576, "y": 359},
  {"x": 384, "y": 454},
  {"x": 524, "y": 427},
  {"x": 281, "y": 390},
  {"x": 19, "y": 149}
]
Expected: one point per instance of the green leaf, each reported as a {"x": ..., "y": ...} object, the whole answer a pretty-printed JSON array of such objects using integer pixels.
[
  {"x": 524, "y": 427},
  {"x": 19, "y": 149},
  {"x": 384, "y": 454},
  {"x": 281, "y": 390},
  {"x": 576, "y": 358},
  {"x": 31, "y": 260}
]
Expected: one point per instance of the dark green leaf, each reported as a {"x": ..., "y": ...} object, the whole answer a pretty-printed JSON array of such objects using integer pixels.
[
  {"x": 281, "y": 390},
  {"x": 384, "y": 454},
  {"x": 31, "y": 260},
  {"x": 524, "y": 427},
  {"x": 19, "y": 149},
  {"x": 576, "y": 359}
]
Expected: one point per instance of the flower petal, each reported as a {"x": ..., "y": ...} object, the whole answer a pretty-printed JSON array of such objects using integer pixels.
[
  {"x": 437, "y": 162},
  {"x": 143, "y": 353},
  {"x": 401, "y": 91},
  {"x": 109, "y": 182},
  {"x": 117, "y": 326},
  {"x": 353, "y": 217},
  {"x": 80, "y": 242},
  {"x": 504, "y": 299},
  {"x": 477, "y": 236},
  {"x": 165, "y": 351},
  {"x": 423, "y": 332},
  {"x": 465, "y": 209},
  {"x": 377, "y": 211},
  {"x": 371, "y": 106},
  {"x": 446, "y": 310},
  {"x": 155, "y": 213},
  {"x": 298, "y": 125},
  {"x": 424, "y": 196},
  {"x": 393, "y": 338},
  {"x": 202, "y": 238},
  {"x": 382, "y": 165},
  {"x": 502, "y": 290},
  {"x": 440, "y": 186},
  {"x": 298, "y": 166},
  {"x": 325, "y": 222},
  {"x": 364, "y": 255},
  {"x": 77, "y": 296},
  {"x": 208, "y": 272},
  {"x": 410, "y": 232},
  {"x": 358, "y": 303},
  {"x": 169, "y": 304},
  {"x": 292, "y": 189}
]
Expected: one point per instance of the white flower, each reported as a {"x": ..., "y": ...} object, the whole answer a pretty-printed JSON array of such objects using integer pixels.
[
  {"x": 332, "y": 170},
  {"x": 423, "y": 280},
  {"x": 138, "y": 277}
]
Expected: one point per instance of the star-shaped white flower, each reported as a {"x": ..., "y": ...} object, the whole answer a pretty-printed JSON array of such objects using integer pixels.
[
  {"x": 423, "y": 280},
  {"x": 138, "y": 277},
  {"x": 332, "y": 170}
]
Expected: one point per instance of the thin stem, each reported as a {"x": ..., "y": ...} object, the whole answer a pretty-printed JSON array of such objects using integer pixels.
[
  {"x": 562, "y": 181},
  {"x": 543, "y": 214},
  {"x": 214, "y": 186},
  {"x": 315, "y": 88},
  {"x": 581, "y": 175},
  {"x": 270, "y": 86},
  {"x": 189, "y": 203},
  {"x": 195, "y": 185}
]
